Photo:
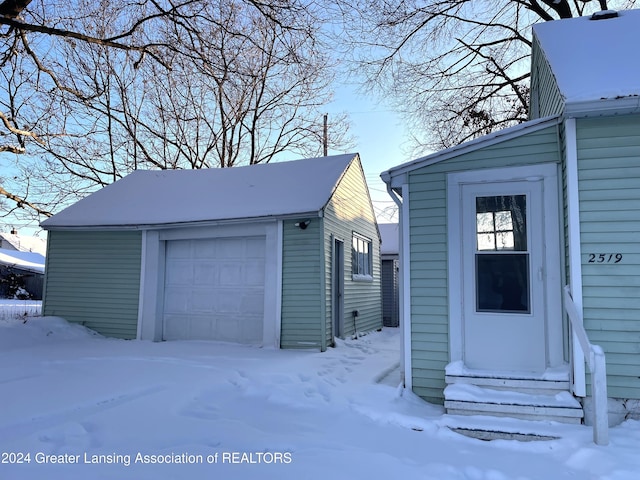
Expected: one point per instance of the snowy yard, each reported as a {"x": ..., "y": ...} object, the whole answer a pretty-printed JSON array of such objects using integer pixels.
[{"x": 80, "y": 406}]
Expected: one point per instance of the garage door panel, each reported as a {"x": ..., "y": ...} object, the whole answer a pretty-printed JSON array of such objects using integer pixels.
[
  {"x": 202, "y": 301},
  {"x": 206, "y": 273},
  {"x": 231, "y": 248},
  {"x": 179, "y": 272},
  {"x": 228, "y": 303},
  {"x": 177, "y": 300},
  {"x": 254, "y": 274},
  {"x": 204, "y": 249},
  {"x": 230, "y": 275},
  {"x": 252, "y": 303},
  {"x": 179, "y": 249},
  {"x": 214, "y": 289},
  {"x": 255, "y": 248}
]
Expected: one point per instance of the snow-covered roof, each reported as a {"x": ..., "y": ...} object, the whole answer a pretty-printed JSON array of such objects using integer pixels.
[
  {"x": 390, "y": 234},
  {"x": 183, "y": 196},
  {"x": 29, "y": 261},
  {"x": 24, "y": 243},
  {"x": 593, "y": 59}
]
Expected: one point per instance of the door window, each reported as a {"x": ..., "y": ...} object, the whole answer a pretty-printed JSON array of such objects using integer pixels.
[{"x": 502, "y": 255}]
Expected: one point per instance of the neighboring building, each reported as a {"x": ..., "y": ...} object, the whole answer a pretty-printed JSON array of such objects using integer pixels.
[
  {"x": 22, "y": 243},
  {"x": 21, "y": 274},
  {"x": 283, "y": 254},
  {"x": 390, "y": 234},
  {"x": 492, "y": 230}
]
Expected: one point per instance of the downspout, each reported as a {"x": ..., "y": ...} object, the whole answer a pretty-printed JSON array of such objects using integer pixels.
[
  {"x": 279, "y": 259},
  {"x": 575, "y": 254},
  {"x": 323, "y": 281},
  {"x": 404, "y": 284}
]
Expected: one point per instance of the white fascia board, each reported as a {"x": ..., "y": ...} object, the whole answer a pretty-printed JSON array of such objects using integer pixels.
[
  {"x": 602, "y": 107},
  {"x": 470, "y": 146},
  {"x": 200, "y": 223}
]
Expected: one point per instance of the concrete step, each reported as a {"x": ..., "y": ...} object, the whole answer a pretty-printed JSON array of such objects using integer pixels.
[
  {"x": 551, "y": 381},
  {"x": 467, "y": 399},
  {"x": 524, "y": 385},
  {"x": 505, "y": 428}
]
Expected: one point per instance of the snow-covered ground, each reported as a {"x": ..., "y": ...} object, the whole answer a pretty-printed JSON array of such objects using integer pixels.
[{"x": 71, "y": 402}]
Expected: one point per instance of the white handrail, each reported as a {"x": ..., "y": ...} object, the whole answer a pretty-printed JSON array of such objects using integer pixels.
[{"x": 594, "y": 356}]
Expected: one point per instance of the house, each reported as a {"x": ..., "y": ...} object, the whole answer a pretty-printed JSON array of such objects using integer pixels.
[
  {"x": 282, "y": 254},
  {"x": 22, "y": 243},
  {"x": 389, "y": 251},
  {"x": 492, "y": 230},
  {"x": 21, "y": 274}
]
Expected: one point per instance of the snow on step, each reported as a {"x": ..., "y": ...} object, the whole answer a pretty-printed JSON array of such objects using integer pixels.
[
  {"x": 465, "y": 399},
  {"x": 473, "y": 393},
  {"x": 505, "y": 428}
]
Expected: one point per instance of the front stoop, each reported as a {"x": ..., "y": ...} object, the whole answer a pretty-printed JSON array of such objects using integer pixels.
[
  {"x": 467, "y": 399},
  {"x": 486, "y": 404}
]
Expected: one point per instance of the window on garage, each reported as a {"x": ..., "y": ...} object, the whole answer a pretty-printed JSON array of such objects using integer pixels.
[{"x": 361, "y": 261}]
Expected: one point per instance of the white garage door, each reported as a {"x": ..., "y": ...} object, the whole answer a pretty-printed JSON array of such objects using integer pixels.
[{"x": 214, "y": 289}]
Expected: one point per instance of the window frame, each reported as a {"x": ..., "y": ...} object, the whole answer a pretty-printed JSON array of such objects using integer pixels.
[{"x": 361, "y": 249}]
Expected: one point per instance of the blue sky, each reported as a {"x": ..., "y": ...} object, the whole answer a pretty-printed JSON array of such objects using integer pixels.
[{"x": 381, "y": 139}]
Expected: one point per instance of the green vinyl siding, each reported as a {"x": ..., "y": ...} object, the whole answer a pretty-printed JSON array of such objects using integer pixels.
[
  {"x": 350, "y": 211},
  {"x": 545, "y": 98},
  {"x": 301, "y": 285},
  {"x": 609, "y": 184},
  {"x": 428, "y": 247},
  {"x": 93, "y": 278}
]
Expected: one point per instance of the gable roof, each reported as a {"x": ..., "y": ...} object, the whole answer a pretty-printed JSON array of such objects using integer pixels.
[
  {"x": 593, "y": 60},
  {"x": 493, "y": 138},
  {"x": 24, "y": 243},
  {"x": 160, "y": 197}
]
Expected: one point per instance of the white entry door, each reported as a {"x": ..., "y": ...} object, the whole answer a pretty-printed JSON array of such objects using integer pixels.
[{"x": 504, "y": 306}]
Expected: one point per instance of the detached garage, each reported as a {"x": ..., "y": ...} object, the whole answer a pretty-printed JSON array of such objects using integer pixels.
[{"x": 253, "y": 255}]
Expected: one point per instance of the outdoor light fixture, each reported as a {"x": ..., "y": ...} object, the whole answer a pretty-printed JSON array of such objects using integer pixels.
[{"x": 303, "y": 225}]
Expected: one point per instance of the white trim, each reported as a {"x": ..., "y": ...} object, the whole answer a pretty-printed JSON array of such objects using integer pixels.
[
  {"x": 405, "y": 288},
  {"x": 270, "y": 317},
  {"x": 455, "y": 283},
  {"x": 279, "y": 257},
  {"x": 143, "y": 261},
  {"x": 575, "y": 253},
  {"x": 337, "y": 308},
  {"x": 599, "y": 107},
  {"x": 152, "y": 290}
]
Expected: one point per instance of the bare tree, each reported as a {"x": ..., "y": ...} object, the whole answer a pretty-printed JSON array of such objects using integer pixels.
[
  {"x": 457, "y": 69},
  {"x": 90, "y": 91}
]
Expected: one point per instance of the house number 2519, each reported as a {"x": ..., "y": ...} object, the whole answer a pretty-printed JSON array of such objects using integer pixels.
[{"x": 605, "y": 258}]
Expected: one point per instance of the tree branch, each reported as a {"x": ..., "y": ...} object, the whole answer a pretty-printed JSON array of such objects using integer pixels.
[
  {"x": 21, "y": 203},
  {"x": 57, "y": 32}
]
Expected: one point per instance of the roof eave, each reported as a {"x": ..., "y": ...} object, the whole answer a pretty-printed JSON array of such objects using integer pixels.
[
  {"x": 390, "y": 176},
  {"x": 193, "y": 223},
  {"x": 601, "y": 107}
]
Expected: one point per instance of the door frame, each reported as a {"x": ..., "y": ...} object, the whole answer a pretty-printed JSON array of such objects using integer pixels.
[{"x": 552, "y": 258}]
